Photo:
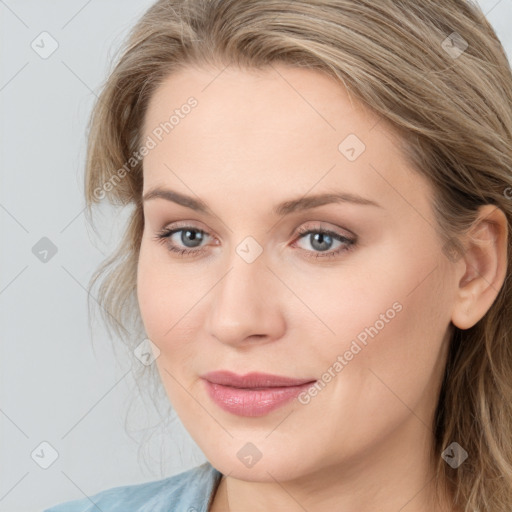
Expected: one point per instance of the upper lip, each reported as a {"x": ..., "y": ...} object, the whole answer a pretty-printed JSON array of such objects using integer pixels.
[{"x": 252, "y": 380}]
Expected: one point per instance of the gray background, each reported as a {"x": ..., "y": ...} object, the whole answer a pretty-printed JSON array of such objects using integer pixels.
[{"x": 55, "y": 385}]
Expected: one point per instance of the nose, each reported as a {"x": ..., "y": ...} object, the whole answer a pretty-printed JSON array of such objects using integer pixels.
[{"x": 245, "y": 305}]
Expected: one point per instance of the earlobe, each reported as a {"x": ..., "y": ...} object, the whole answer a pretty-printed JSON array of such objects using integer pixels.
[{"x": 483, "y": 267}]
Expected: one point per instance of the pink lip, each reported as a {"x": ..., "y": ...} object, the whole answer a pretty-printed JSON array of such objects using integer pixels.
[{"x": 254, "y": 394}]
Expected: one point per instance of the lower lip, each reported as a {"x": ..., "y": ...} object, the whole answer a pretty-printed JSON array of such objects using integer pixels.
[{"x": 252, "y": 402}]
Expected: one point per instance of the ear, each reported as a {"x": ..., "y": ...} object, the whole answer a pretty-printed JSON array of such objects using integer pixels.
[{"x": 483, "y": 267}]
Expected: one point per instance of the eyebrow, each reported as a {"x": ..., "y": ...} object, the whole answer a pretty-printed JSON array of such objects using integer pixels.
[{"x": 282, "y": 209}]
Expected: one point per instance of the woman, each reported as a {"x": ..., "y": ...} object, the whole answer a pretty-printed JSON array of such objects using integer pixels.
[{"x": 317, "y": 252}]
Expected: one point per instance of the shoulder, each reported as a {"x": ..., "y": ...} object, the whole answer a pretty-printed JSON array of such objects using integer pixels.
[{"x": 186, "y": 491}]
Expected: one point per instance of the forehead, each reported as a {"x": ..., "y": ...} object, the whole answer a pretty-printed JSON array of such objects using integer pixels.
[
  {"x": 279, "y": 125},
  {"x": 298, "y": 100}
]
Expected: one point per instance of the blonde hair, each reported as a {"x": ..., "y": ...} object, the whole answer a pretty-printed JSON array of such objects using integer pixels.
[{"x": 437, "y": 73}]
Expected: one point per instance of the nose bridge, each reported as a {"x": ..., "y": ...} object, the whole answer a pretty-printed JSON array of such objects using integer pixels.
[{"x": 245, "y": 302}]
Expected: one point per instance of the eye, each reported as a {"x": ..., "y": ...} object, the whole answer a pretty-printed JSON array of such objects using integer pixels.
[
  {"x": 188, "y": 236},
  {"x": 321, "y": 240}
]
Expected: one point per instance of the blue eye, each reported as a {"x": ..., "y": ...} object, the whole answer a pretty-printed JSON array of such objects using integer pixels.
[
  {"x": 320, "y": 240},
  {"x": 188, "y": 235}
]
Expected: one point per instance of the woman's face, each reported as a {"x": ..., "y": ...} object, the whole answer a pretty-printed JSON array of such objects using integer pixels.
[{"x": 364, "y": 309}]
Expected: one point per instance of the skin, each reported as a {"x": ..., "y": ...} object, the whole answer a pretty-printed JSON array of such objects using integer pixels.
[{"x": 255, "y": 139}]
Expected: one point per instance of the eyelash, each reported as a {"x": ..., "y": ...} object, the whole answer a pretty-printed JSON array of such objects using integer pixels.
[{"x": 166, "y": 233}]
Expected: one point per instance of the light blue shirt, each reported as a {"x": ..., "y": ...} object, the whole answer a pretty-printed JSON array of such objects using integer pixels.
[{"x": 189, "y": 491}]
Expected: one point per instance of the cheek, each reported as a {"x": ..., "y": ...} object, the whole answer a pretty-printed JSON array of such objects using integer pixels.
[
  {"x": 169, "y": 298},
  {"x": 382, "y": 367},
  {"x": 161, "y": 303},
  {"x": 157, "y": 294},
  {"x": 393, "y": 354},
  {"x": 389, "y": 315}
]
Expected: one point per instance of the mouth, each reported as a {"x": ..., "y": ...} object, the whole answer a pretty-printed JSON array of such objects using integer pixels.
[{"x": 253, "y": 394}]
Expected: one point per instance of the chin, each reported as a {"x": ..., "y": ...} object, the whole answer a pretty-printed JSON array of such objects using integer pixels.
[{"x": 267, "y": 469}]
